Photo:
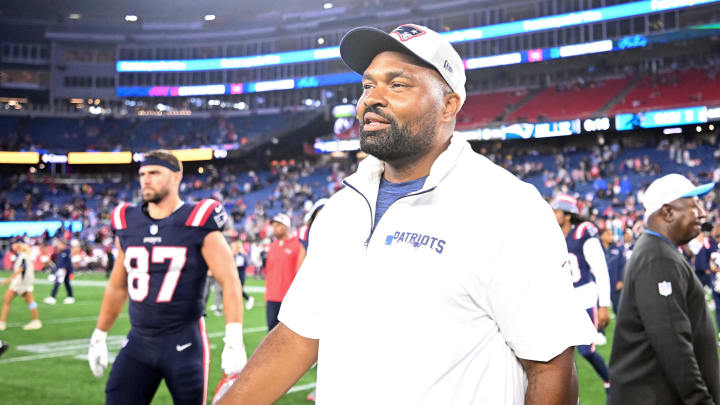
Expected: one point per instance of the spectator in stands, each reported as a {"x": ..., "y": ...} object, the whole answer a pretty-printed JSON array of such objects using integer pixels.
[
  {"x": 418, "y": 179},
  {"x": 664, "y": 348},
  {"x": 284, "y": 258},
  {"x": 21, "y": 283},
  {"x": 63, "y": 274}
]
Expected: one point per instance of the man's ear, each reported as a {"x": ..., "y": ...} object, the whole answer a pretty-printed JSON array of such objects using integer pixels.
[
  {"x": 667, "y": 213},
  {"x": 451, "y": 106}
]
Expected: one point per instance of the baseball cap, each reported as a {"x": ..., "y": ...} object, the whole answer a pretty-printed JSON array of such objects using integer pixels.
[
  {"x": 566, "y": 203},
  {"x": 359, "y": 46},
  {"x": 318, "y": 204},
  {"x": 282, "y": 219},
  {"x": 669, "y": 188}
]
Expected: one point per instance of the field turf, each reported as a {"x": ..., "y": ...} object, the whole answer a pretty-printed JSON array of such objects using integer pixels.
[{"x": 48, "y": 366}]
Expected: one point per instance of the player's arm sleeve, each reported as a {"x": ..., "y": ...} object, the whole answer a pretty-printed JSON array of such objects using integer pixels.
[
  {"x": 593, "y": 251},
  {"x": 668, "y": 327},
  {"x": 530, "y": 294}
]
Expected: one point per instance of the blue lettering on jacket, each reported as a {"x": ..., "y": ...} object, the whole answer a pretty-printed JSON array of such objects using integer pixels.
[{"x": 417, "y": 240}]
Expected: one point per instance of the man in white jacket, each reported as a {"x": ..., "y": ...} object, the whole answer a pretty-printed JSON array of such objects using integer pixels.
[{"x": 464, "y": 308}]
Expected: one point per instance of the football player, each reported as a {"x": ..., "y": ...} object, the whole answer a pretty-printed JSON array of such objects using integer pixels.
[
  {"x": 21, "y": 283},
  {"x": 165, "y": 248},
  {"x": 706, "y": 265},
  {"x": 63, "y": 274},
  {"x": 589, "y": 271}
]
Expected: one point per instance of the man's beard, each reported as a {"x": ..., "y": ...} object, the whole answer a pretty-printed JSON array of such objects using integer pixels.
[
  {"x": 155, "y": 197},
  {"x": 398, "y": 143}
]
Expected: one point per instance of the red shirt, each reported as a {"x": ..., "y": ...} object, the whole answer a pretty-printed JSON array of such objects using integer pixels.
[{"x": 281, "y": 267}]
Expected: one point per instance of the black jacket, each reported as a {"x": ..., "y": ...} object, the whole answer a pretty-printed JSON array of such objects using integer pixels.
[{"x": 664, "y": 350}]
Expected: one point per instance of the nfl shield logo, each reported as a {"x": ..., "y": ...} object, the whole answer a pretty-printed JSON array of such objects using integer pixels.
[
  {"x": 153, "y": 229},
  {"x": 665, "y": 288}
]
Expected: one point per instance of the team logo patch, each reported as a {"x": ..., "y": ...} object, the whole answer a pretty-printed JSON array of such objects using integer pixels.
[
  {"x": 665, "y": 288},
  {"x": 405, "y": 32},
  {"x": 447, "y": 66},
  {"x": 220, "y": 218},
  {"x": 153, "y": 229}
]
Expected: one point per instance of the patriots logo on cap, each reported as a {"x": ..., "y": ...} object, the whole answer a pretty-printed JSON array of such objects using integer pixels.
[{"x": 405, "y": 32}]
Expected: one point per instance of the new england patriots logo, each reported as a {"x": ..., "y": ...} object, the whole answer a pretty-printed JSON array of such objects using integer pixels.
[{"x": 405, "y": 32}]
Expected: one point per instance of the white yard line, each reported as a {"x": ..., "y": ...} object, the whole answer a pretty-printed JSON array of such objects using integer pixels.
[
  {"x": 63, "y": 320},
  {"x": 304, "y": 387},
  {"x": 103, "y": 283},
  {"x": 76, "y": 347}
]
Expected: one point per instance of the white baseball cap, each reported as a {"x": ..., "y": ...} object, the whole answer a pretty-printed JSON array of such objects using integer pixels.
[
  {"x": 282, "y": 219},
  {"x": 359, "y": 46},
  {"x": 669, "y": 188}
]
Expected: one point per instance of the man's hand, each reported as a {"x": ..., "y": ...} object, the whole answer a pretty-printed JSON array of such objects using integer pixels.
[
  {"x": 603, "y": 317},
  {"x": 234, "y": 357},
  {"x": 619, "y": 286},
  {"x": 98, "y": 353}
]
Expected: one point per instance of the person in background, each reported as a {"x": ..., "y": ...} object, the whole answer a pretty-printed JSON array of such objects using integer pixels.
[
  {"x": 3, "y": 347},
  {"x": 664, "y": 350},
  {"x": 241, "y": 261},
  {"x": 165, "y": 248},
  {"x": 589, "y": 273},
  {"x": 21, "y": 283},
  {"x": 615, "y": 258},
  {"x": 706, "y": 266},
  {"x": 284, "y": 258},
  {"x": 63, "y": 273}
]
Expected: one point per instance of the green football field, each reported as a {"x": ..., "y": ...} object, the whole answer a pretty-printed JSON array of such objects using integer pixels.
[{"x": 48, "y": 366}]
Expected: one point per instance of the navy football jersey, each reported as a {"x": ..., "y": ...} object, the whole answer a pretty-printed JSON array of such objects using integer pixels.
[
  {"x": 579, "y": 267},
  {"x": 163, "y": 259},
  {"x": 702, "y": 258},
  {"x": 64, "y": 260}
]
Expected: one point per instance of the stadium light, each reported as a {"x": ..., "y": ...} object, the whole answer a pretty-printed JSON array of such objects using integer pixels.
[
  {"x": 327, "y": 6},
  {"x": 210, "y": 17},
  {"x": 131, "y": 18},
  {"x": 320, "y": 40},
  {"x": 74, "y": 16}
]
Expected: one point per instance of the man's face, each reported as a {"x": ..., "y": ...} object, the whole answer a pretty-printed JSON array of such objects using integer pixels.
[
  {"x": 606, "y": 236},
  {"x": 155, "y": 182},
  {"x": 688, "y": 217},
  {"x": 561, "y": 217},
  {"x": 400, "y": 108},
  {"x": 716, "y": 232},
  {"x": 627, "y": 237},
  {"x": 279, "y": 230}
]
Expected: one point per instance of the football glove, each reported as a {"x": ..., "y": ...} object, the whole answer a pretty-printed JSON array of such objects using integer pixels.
[
  {"x": 234, "y": 357},
  {"x": 98, "y": 353}
]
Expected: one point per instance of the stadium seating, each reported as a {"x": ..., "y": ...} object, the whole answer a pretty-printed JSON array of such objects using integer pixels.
[
  {"x": 669, "y": 90},
  {"x": 73, "y": 134},
  {"x": 554, "y": 103},
  {"x": 482, "y": 109}
]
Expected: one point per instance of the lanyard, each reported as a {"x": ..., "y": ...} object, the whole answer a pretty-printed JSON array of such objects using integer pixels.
[{"x": 660, "y": 236}]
